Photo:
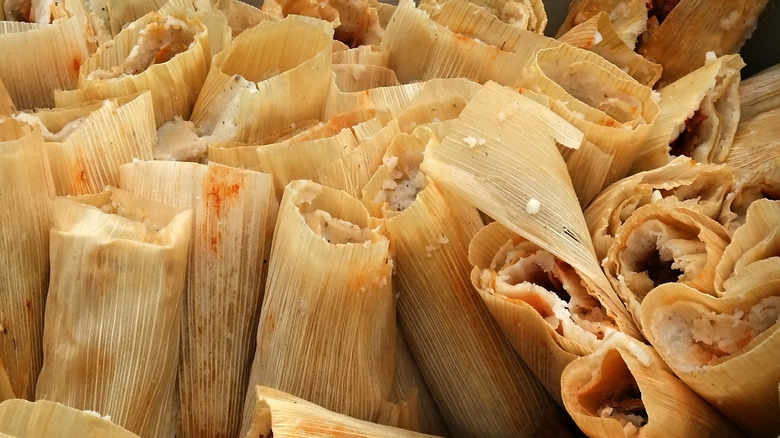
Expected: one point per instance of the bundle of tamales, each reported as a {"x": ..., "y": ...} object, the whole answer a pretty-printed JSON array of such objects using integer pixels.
[{"x": 353, "y": 219}]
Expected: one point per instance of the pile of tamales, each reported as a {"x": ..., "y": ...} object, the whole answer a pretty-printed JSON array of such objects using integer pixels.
[{"x": 343, "y": 218}]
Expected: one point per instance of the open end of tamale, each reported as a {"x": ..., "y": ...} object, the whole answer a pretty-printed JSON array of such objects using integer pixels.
[
  {"x": 404, "y": 181},
  {"x": 51, "y": 131},
  {"x": 333, "y": 226},
  {"x": 613, "y": 392},
  {"x": 658, "y": 10},
  {"x": 33, "y": 11}
]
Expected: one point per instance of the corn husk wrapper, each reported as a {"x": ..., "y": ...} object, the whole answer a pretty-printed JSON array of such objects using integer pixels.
[
  {"x": 628, "y": 17},
  {"x": 358, "y": 77},
  {"x": 327, "y": 325},
  {"x": 525, "y": 15},
  {"x": 110, "y": 16},
  {"x": 287, "y": 416},
  {"x": 6, "y": 104},
  {"x": 366, "y": 55},
  {"x": 658, "y": 245},
  {"x": 47, "y": 419},
  {"x": 754, "y": 250},
  {"x": 451, "y": 335},
  {"x": 517, "y": 162},
  {"x": 752, "y": 185},
  {"x": 384, "y": 11},
  {"x": 613, "y": 110},
  {"x": 26, "y": 189},
  {"x": 242, "y": 16},
  {"x": 439, "y": 100},
  {"x": 112, "y": 319},
  {"x": 36, "y": 59},
  {"x": 598, "y": 35},
  {"x": 710, "y": 92},
  {"x": 756, "y": 145},
  {"x": 389, "y": 100},
  {"x": 760, "y": 93},
  {"x": 107, "y": 135},
  {"x": 626, "y": 380},
  {"x": 265, "y": 90},
  {"x": 695, "y": 27},
  {"x": 722, "y": 348},
  {"x": 702, "y": 188},
  {"x": 234, "y": 212},
  {"x": 174, "y": 84}
]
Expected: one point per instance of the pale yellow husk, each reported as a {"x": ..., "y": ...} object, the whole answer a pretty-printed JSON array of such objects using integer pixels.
[
  {"x": 359, "y": 77},
  {"x": 522, "y": 14},
  {"x": 613, "y": 110},
  {"x": 36, "y": 59},
  {"x": 234, "y": 212},
  {"x": 264, "y": 92},
  {"x": 756, "y": 144},
  {"x": 6, "y": 104},
  {"x": 106, "y": 135},
  {"x": 702, "y": 188},
  {"x": 598, "y": 35},
  {"x": 519, "y": 162},
  {"x": 752, "y": 185},
  {"x": 588, "y": 169},
  {"x": 366, "y": 55},
  {"x": 710, "y": 91},
  {"x": 741, "y": 384},
  {"x": 282, "y": 415},
  {"x": 655, "y": 235},
  {"x": 628, "y": 17},
  {"x": 110, "y": 16},
  {"x": 327, "y": 326},
  {"x": 457, "y": 346},
  {"x": 680, "y": 45},
  {"x": 439, "y": 100},
  {"x": 760, "y": 93},
  {"x": 241, "y": 16},
  {"x": 119, "y": 306},
  {"x": 388, "y": 100},
  {"x": 47, "y": 419},
  {"x": 624, "y": 373},
  {"x": 26, "y": 189}
]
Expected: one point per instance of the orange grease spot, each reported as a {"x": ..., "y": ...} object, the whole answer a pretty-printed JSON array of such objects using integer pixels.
[
  {"x": 222, "y": 186},
  {"x": 76, "y": 64}
]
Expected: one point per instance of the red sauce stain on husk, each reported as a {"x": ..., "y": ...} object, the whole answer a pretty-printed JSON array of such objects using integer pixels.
[{"x": 223, "y": 186}]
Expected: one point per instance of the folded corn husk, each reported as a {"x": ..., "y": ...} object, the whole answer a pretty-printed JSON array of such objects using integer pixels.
[
  {"x": 182, "y": 46},
  {"x": 756, "y": 145},
  {"x": 514, "y": 162},
  {"x": 598, "y": 35},
  {"x": 46, "y": 419},
  {"x": 725, "y": 349},
  {"x": 522, "y": 14},
  {"x": 754, "y": 251},
  {"x": 234, "y": 212},
  {"x": 628, "y": 17},
  {"x": 625, "y": 389},
  {"x": 679, "y": 44},
  {"x": 327, "y": 326},
  {"x": 36, "y": 59},
  {"x": 6, "y": 104},
  {"x": 88, "y": 142},
  {"x": 699, "y": 116},
  {"x": 438, "y": 101},
  {"x": 752, "y": 185},
  {"x": 263, "y": 93},
  {"x": 112, "y": 319},
  {"x": 26, "y": 189},
  {"x": 658, "y": 245},
  {"x": 760, "y": 93},
  {"x": 540, "y": 302},
  {"x": 457, "y": 346},
  {"x": 282, "y": 415},
  {"x": 365, "y": 55},
  {"x": 614, "y": 111},
  {"x": 702, "y": 188},
  {"x": 358, "y": 77},
  {"x": 389, "y": 100},
  {"x": 108, "y": 17}
]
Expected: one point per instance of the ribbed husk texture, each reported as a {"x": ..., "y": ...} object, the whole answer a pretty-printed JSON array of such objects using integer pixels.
[{"x": 47, "y": 419}]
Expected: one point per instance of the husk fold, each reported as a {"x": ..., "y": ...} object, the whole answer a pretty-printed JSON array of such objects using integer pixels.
[
  {"x": 6, "y": 104},
  {"x": 760, "y": 93},
  {"x": 47, "y": 419},
  {"x": 628, "y": 17}
]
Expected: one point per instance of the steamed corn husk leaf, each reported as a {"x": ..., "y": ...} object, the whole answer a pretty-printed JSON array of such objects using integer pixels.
[
  {"x": 624, "y": 389},
  {"x": 522, "y": 14},
  {"x": 47, "y": 419},
  {"x": 6, "y": 104},
  {"x": 365, "y": 55},
  {"x": 439, "y": 100},
  {"x": 112, "y": 319},
  {"x": 26, "y": 189},
  {"x": 760, "y": 93},
  {"x": 358, "y": 77},
  {"x": 756, "y": 145},
  {"x": 234, "y": 212},
  {"x": 389, "y": 100},
  {"x": 752, "y": 185},
  {"x": 722, "y": 348},
  {"x": 628, "y": 17}
]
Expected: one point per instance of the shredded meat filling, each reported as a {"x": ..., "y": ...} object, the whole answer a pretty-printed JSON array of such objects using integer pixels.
[{"x": 685, "y": 143}]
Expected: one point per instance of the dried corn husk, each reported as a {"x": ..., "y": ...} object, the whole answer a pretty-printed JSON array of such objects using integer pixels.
[
  {"x": 525, "y": 289},
  {"x": 384, "y": 11},
  {"x": 87, "y": 143},
  {"x": 752, "y": 185},
  {"x": 115, "y": 309},
  {"x": 522, "y": 14},
  {"x": 366, "y": 55},
  {"x": 754, "y": 250},
  {"x": 756, "y": 144},
  {"x": 327, "y": 326},
  {"x": 264, "y": 92},
  {"x": 613, "y": 110},
  {"x": 760, "y": 93},
  {"x": 241, "y": 16},
  {"x": 46, "y": 419},
  {"x": 284, "y": 415},
  {"x": 234, "y": 212},
  {"x": 439, "y": 100},
  {"x": 456, "y": 344},
  {"x": 514, "y": 161},
  {"x": 702, "y": 188},
  {"x": 26, "y": 189},
  {"x": 110, "y": 16},
  {"x": 680, "y": 45},
  {"x": 658, "y": 245},
  {"x": 388, "y": 100},
  {"x": 359, "y": 77},
  {"x": 625, "y": 382},
  {"x": 734, "y": 367},
  {"x": 36, "y": 59},
  {"x": 6, "y": 104},
  {"x": 711, "y": 93},
  {"x": 628, "y": 17},
  {"x": 598, "y": 35},
  {"x": 174, "y": 83}
]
